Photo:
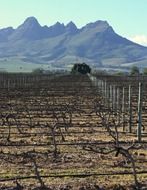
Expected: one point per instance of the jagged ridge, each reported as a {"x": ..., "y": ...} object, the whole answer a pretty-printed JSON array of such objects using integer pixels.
[{"x": 96, "y": 43}]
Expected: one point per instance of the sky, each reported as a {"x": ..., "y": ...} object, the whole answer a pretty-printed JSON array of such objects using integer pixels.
[{"x": 127, "y": 17}]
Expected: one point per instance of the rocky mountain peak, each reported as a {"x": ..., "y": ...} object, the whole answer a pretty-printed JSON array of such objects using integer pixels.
[
  {"x": 95, "y": 42},
  {"x": 71, "y": 27},
  {"x": 30, "y": 29},
  {"x": 31, "y": 21},
  {"x": 98, "y": 25}
]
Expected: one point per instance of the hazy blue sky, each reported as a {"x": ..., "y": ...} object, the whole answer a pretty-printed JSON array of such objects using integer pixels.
[{"x": 127, "y": 17}]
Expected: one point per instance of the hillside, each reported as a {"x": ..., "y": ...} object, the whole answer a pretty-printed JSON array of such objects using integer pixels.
[{"x": 60, "y": 45}]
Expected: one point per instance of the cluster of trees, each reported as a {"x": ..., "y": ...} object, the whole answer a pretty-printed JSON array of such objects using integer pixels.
[
  {"x": 135, "y": 71},
  {"x": 81, "y": 68}
]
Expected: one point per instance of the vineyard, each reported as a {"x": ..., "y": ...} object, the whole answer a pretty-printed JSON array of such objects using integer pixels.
[{"x": 73, "y": 132}]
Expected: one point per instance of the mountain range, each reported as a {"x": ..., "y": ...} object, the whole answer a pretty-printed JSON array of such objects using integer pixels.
[{"x": 59, "y": 45}]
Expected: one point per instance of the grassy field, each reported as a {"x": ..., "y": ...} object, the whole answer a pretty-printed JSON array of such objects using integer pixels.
[{"x": 19, "y": 65}]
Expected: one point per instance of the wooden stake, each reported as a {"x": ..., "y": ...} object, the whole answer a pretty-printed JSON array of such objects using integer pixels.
[
  {"x": 130, "y": 109},
  {"x": 139, "y": 112},
  {"x": 114, "y": 98},
  {"x": 123, "y": 108}
]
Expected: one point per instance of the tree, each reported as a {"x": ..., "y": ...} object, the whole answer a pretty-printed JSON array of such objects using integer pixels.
[
  {"x": 38, "y": 71},
  {"x": 134, "y": 70},
  {"x": 82, "y": 68},
  {"x": 145, "y": 71}
]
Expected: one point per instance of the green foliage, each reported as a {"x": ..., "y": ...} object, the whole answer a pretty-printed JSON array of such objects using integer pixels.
[
  {"x": 38, "y": 71},
  {"x": 82, "y": 68},
  {"x": 120, "y": 73},
  {"x": 134, "y": 70},
  {"x": 145, "y": 71}
]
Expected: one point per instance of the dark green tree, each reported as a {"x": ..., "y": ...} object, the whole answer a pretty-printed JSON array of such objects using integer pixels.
[
  {"x": 82, "y": 68},
  {"x": 134, "y": 70},
  {"x": 145, "y": 71}
]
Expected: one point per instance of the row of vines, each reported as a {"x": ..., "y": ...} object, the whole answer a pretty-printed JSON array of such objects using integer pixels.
[{"x": 71, "y": 132}]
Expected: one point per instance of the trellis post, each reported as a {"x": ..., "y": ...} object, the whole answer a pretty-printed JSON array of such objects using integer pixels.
[
  {"x": 105, "y": 92},
  {"x": 114, "y": 98},
  {"x": 139, "y": 127},
  {"x": 123, "y": 108},
  {"x": 111, "y": 96},
  {"x": 117, "y": 101},
  {"x": 130, "y": 109}
]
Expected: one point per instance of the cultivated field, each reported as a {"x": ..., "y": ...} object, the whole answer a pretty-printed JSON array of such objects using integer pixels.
[{"x": 73, "y": 132}]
